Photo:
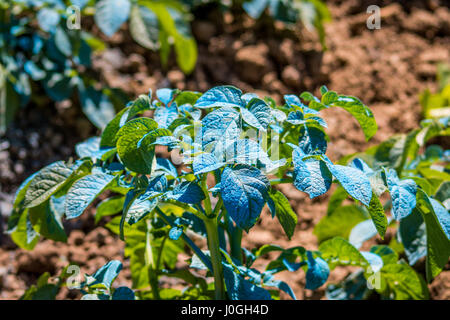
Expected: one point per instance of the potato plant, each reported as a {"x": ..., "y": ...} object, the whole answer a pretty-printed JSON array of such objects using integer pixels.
[
  {"x": 311, "y": 13},
  {"x": 437, "y": 105},
  {"x": 229, "y": 150},
  {"x": 415, "y": 173},
  {"x": 40, "y": 56}
]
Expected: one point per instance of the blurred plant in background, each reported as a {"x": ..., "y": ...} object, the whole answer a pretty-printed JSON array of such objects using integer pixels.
[
  {"x": 435, "y": 105},
  {"x": 41, "y": 58}
]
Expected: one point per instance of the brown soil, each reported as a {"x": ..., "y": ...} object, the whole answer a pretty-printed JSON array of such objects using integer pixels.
[{"x": 385, "y": 68}]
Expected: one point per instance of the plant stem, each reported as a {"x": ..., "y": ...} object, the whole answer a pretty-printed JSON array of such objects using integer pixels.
[
  {"x": 207, "y": 200},
  {"x": 216, "y": 257},
  {"x": 187, "y": 240},
  {"x": 152, "y": 271},
  {"x": 235, "y": 244},
  {"x": 158, "y": 260},
  {"x": 280, "y": 181}
]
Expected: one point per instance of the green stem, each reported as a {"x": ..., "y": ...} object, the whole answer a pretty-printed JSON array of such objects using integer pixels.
[
  {"x": 218, "y": 206},
  {"x": 235, "y": 244},
  {"x": 207, "y": 201},
  {"x": 152, "y": 271},
  {"x": 216, "y": 257},
  {"x": 158, "y": 260},
  {"x": 280, "y": 181}
]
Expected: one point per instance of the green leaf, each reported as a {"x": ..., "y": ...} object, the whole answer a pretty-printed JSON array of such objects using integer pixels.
[
  {"x": 401, "y": 282},
  {"x": 9, "y": 102},
  {"x": 46, "y": 220},
  {"x": 283, "y": 211},
  {"x": 360, "y": 111},
  {"x": 186, "y": 50},
  {"x": 438, "y": 245},
  {"x": 108, "y": 138},
  {"x": 46, "y": 182},
  {"x": 338, "y": 251},
  {"x": 23, "y": 234},
  {"x": 173, "y": 24},
  {"x": 377, "y": 214},
  {"x": 109, "y": 207},
  {"x": 127, "y": 144},
  {"x": 146, "y": 145},
  {"x": 144, "y": 27},
  {"x": 339, "y": 223},
  {"x": 111, "y": 14},
  {"x": 84, "y": 191},
  {"x": 138, "y": 106},
  {"x": 22, "y": 190}
]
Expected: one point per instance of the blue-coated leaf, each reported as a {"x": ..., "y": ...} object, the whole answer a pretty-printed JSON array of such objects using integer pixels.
[
  {"x": 88, "y": 147},
  {"x": 140, "y": 207},
  {"x": 282, "y": 286},
  {"x": 106, "y": 274},
  {"x": 238, "y": 288},
  {"x": 168, "y": 141},
  {"x": 353, "y": 181},
  {"x": 362, "y": 165},
  {"x": 312, "y": 140},
  {"x": 247, "y": 97},
  {"x": 353, "y": 287},
  {"x": 442, "y": 215},
  {"x": 255, "y": 8},
  {"x": 295, "y": 118},
  {"x": 317, "y": 273},
  {"x": 165, "y": 115},
  {"x": 403, "y": 194},
  {"x": 187, "y": 192},
  {"x": 123, "y": 293},
  {"x": 58, "y": 86},
  {"x": 219, "y": 126},
  {"x": 244, "y": 191},
  {"x": 246, "y": 151},
  {"x": 223, "y": 96},
  {"x": 165, "y": 95},
  {"x": 293, "y": 101},
  {"x": 62, "y": 42},
  {"x": 34, "y": 71},
  {"x": 48, "y": 19},
  {"x": 362, "y": 232},
  {"x": 412, "y": 234},
  {"x": 375, "y": 261},
  {"x": 111, "y": 14},
  {"x": 147, "y": 201},
  {"x": 257, "y": 114},
  {"x": 84, "y": 191},
  {"x": 175, "y": 233},
  {"x": 311, "y": 175},
  {"x": 205, "y": 162},
  {"x": 164, "y": 165}
]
